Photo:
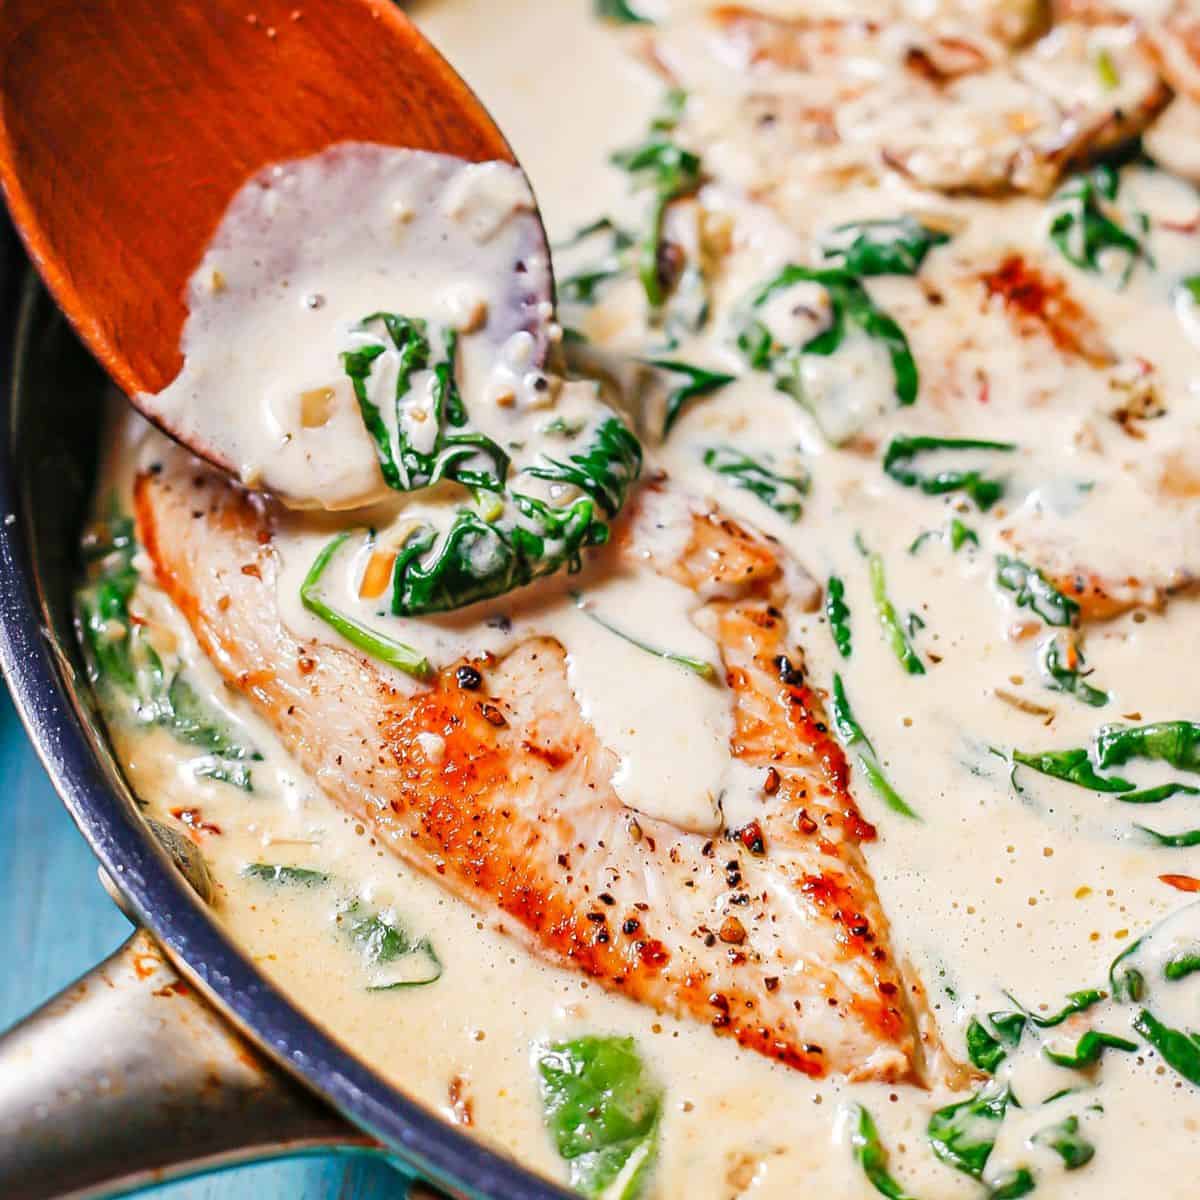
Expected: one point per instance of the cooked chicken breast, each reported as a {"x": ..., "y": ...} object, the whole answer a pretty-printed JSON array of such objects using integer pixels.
[
  {"x": 831, "y": 99},
  {"x": 772, "y": 934}
]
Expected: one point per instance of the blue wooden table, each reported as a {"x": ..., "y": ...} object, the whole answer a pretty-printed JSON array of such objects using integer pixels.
[{"x": 56, "y": 921}]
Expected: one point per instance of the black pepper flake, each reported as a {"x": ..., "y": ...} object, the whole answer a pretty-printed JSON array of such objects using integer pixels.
[
  {"x": 771, "y": 983},
  {"x": 631, "y": 926},
  {"x": 788, "y": 674},
  {"x": 606, "y": 898},
  {"x": 597, "y": 917},
  {"x": 468, "y": 678}
]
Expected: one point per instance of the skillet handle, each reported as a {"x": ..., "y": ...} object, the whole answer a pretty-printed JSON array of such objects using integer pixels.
[{"x": 128, "y": 1078}]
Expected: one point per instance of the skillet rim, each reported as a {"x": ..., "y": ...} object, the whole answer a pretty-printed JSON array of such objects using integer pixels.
[{"x": 39, "y": 677}]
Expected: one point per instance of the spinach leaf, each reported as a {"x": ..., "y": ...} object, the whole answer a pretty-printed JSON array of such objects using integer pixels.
[
  {"x": 1063, "y": 670},
  {"x": 396, "y": 961},
  {"x": 479, "y": 559},
  {"x": 121, "y": 662},
  {"x": 669, "y": 172},
  {"x": 395, "y": 654},
  {"x": 1071, "y": 766},
  {"x": 956, "y": 533},
  {"x": 620, "y": 11},
  {"x": 895, "y": 247},
  {"x": 901, "y": 451},
  {"x": 604, "y": 470},
  {"x": 1174, "y": 742},
  {"x": 698, "y": 666},
  {"x": 1125, "y": 980},
  {"x": 988, "y": 1048},
  {"x": 850, "y": 734},
  {"x": 1077, "y": 1002},
  {"x": 117, "y": 653},
  {"x": 236, "y": 774},
  {"x": 782, "y": 493},
  {"x": 192, "y": 721},
  {"x": 1067, "y": 1142},
  {"x": 1034, "y": 591},
  {"x": 471, "y": 458},
  {"x": 286, "y": 876},
  {"x": 850, "y": 305},
  {"x": 602, "y": 1110},
  {"x": 1088, "y": 1049},
  {"x": 583, "y": 285},
  {"x": 1158, "y": 793},
  {"x": 1179, "y": 1050},
  {"x": 1174, "y": 841},
  {"x": 1083, "y": 229},
  {"x": 889, "y": 621},
  {"x": 960, "y": 535},
  {"x": 870, "y": 1154},
  {"x": 1181, "y": 965},
  {"x": 697, "y": 382},
  {"x": 837, "y": 612},
  {"x": 963, "y": 1135},
  {"x": 1011, "y": 1185}
]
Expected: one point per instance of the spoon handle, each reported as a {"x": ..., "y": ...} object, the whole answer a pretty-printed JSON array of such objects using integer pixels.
[{"x": 128, "y": 1078}]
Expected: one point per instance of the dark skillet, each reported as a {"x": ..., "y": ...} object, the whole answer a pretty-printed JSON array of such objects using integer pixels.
[{"x": 128, "y": 1077}]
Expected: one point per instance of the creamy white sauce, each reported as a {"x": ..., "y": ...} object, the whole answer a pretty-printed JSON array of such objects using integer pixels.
[
  {"x": 305, "y": 251},
  {"x": 996, "y": 890}
]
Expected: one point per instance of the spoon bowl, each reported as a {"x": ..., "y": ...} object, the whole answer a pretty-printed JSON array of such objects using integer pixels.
[{"x": 127, "y": 126}]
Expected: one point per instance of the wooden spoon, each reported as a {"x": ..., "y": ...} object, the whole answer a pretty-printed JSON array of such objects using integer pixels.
[{"x": 126, "y": 127}]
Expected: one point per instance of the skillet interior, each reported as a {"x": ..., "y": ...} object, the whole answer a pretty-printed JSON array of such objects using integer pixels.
[{"x": 50, "y": 411}]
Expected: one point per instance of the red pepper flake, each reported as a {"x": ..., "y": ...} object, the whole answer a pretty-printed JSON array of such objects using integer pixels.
[
  {"x": 193, "y": 819},
  {"x": 804, "y": 823},
  {"x": 1182, "y": 883},
  {"x": 772, "y": 781},
  {"x": 771, "y": 983},
  {"x": 751, "y": 836},
  {"x": 307, "y": 665},
  {"x": 492, "y": 715}
]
